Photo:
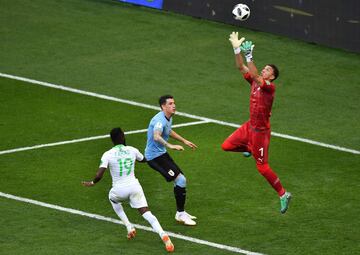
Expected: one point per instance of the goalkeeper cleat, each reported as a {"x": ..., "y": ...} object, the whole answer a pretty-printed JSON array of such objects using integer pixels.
[
  {"x": 284, "y": 202},
  {"x": 183, "y": 218},
  {"x": 131, "y": 234},
  {"x": 246, "y": 154},
  {"x": 168, "y": 244}
]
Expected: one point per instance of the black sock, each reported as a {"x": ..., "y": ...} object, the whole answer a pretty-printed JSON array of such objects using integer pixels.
[{"x": 180, "y": 196}]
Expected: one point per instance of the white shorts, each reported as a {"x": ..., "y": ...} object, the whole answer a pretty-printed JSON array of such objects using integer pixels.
[{"x": 131, "y": 192}]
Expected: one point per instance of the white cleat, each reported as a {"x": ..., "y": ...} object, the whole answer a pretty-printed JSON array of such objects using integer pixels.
[
  {"x": 183, "y": 218},
  {"x": 190, "y": 216}
]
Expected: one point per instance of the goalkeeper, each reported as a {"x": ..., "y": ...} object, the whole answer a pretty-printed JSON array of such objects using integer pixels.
[{"x": 253, "y": 137}]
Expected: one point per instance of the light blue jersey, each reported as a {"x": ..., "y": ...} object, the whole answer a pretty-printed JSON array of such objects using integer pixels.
[{"x": 158, "y": 123}]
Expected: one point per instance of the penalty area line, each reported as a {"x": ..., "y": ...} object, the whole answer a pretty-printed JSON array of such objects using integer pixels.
[
  {"x": 108, "y": 219},
  {"x": 93, "y": 138}
]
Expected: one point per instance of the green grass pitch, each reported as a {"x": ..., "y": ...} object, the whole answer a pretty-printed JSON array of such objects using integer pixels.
[{"x": 139, "y": 54}]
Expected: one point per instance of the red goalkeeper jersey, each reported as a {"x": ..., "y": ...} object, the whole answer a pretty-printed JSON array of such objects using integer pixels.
[{"x": 261, "y": 100}]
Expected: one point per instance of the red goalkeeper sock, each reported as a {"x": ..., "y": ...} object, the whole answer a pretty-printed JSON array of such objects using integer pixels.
[{"x": 271, "y": 177}]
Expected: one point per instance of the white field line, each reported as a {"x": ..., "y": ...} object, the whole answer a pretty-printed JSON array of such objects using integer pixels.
[
  {"x": 108, "y": 219},
  {"x": 82, "y": 92},
  {"x": 93, "y": 138}
]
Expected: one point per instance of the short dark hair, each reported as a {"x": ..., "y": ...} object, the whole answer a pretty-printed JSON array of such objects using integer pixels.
[
  {"x": 275, "y": 71},
  {"x": 117, "y": 136},
  {"x": 162, "y": 99}
]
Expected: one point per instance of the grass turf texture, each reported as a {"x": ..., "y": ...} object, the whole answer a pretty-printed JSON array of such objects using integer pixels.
[
  {"x": 140, "y": 53},
  {"x": 39, "y": 115},
  {"x": 99, "y": 46},
  {"x": 233, "y": 202},
  {"x": 40, "y": 230}
]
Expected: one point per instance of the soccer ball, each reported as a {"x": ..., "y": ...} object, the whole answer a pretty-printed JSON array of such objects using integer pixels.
[{"x": 241, "y": 12}]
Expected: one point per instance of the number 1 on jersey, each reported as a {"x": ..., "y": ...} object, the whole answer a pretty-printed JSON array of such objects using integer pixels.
[
  {"x": 125, "y": 164},
  {"x": 261, "y": 151}
]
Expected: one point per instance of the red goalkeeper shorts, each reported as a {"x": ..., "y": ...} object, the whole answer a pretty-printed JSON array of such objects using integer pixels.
[{"x": 247, "y": 138}]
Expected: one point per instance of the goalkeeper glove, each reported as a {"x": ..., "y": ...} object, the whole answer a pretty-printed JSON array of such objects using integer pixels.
[
  {"x": 247, "y": 47},
  {"x": 235, "y": 42}
]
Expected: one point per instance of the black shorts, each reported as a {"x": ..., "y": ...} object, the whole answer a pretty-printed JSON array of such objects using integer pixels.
[{"x": 165, "y": 165}]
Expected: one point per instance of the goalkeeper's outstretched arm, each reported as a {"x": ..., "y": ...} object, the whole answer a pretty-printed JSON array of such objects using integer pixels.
[
  {"x": 254, "y": 72},
  {"x": 240, "y": 63},
  {"x": 247, "y": 48},
  {"x": 236, "y": 43}
]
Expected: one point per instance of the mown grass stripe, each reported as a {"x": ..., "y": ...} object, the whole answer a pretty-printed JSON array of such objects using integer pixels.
[
  {"x": 224, "y": 123},
  {"x": 108, "y": 219},
  {"x": 91, "y": 138}
]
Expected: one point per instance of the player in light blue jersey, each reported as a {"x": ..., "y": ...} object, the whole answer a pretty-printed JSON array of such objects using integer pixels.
[
  {"x": 159, "y": 122},
  {"x": 158, "y": 134}
]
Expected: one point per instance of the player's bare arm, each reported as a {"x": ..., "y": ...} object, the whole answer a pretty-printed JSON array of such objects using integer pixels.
[
  {"x": 240, "y": 64},
  {"x": 254, "y": 73},
  {"x": 178, "y": 137},
  {"x": 158, "y": 138},
  {"x": 247, "y": 49},
  {"x": 97, "y": 178},
  {"x": 236, "y": 43}
]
